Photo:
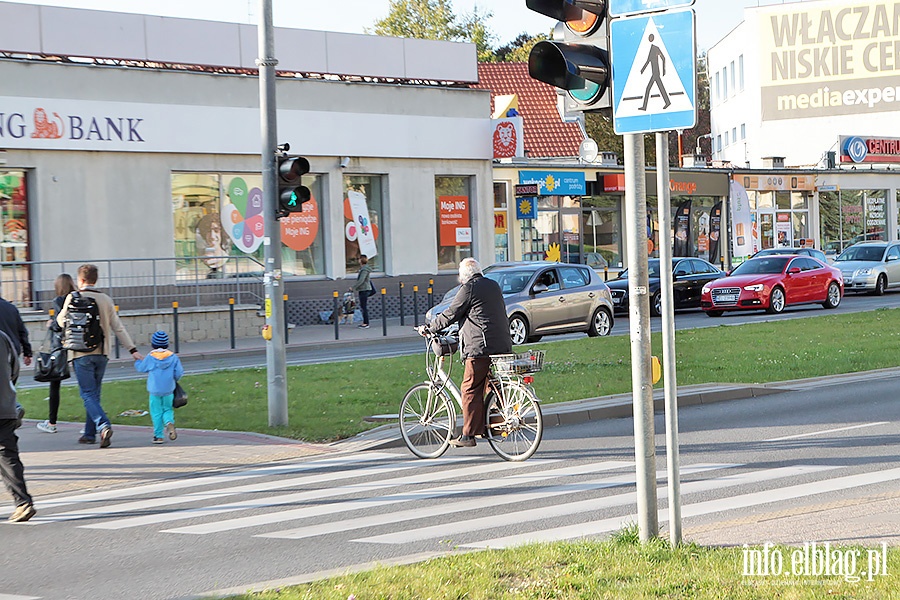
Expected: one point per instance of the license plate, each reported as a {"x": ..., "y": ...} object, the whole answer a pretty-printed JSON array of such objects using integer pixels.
[
  {"x": 727, "y": 298},
  {"x": 617, "y": 301}
]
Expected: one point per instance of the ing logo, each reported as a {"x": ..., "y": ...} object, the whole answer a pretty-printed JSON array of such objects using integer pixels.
[{"x": 45, "y": 127}]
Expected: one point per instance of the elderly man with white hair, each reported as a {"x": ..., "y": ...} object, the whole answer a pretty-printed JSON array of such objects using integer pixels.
[{"x": 483, "y": 330}]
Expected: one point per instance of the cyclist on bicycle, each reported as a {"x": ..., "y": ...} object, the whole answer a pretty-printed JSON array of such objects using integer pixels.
[{"x": 484, "y": 330}]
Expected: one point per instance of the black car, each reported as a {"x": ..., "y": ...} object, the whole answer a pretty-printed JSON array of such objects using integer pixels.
[
  {"x": 689, "y": 276},
  {"x": 798, "y": 251}
]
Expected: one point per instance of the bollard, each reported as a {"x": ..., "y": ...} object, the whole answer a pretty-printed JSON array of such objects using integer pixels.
[
  {"x": 287, "y": 330},
  {"x": 117, "y": 337},
  {"x": 430, "y": 293},
  {"x": 416, "y": 305},
  {"x": 231, "y": 319},
  {"x": 334, "y": 316},
  {"x": 175, "y": 324},
  {"x": 402, "y": 320},
  {"x": 384, "y": 312},
  {"x": 605, "y": 273}
]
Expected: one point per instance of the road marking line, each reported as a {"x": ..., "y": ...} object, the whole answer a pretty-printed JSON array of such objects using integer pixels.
[
  {"x": 589, "y": 505},
  {"x": 314, "y": 495},
  {"x": 10, "y": 597},
  {"x": 372, "y": 502},
  {"x": 697, "y": 509},
  {"x": 155, "y": 503},
  {"x": 211, "y": 479},
  {"x": 517, "y": 497},
  {"x": 812, "y": 433}
]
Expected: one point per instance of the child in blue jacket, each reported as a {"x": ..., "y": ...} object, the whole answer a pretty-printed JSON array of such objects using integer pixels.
[{"x": 164, "y": 369}]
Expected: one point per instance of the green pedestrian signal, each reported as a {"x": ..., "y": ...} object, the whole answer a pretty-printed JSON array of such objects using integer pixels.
[{"x": 291, "y": 193}]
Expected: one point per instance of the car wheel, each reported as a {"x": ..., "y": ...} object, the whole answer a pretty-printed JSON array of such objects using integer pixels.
[
  {"x": 518, "y": 330},
  {"x": 601, "y": 323},
  {"x": 834, "y": 296},
  {"x": 656, "y": 304},
  {"x": 714, "y": 313},
  {"x": 776, "y": 301},
  {"x": 880, "y": 285}
]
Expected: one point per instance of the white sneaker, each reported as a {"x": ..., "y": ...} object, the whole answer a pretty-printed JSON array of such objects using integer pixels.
[{"x": 46, "y": 427}]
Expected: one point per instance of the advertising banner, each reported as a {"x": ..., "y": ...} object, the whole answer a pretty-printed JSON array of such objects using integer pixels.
[
  {"x": 555, "y": 183},
  {"x": 715, "y": 226},
  {"x": 784, "y": 235},
  {"x": 683, "y": 230},
  {"x": 508, "y": 138},
  {"x": 454, "y": 221},
  {"x": 830, "y": 58},
  {"x": 362, "y": 223},
  {"x": 741, "y": 243}
]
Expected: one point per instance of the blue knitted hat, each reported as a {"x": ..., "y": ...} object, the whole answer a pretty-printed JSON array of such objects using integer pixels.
[{"x": 160, "y": 340}]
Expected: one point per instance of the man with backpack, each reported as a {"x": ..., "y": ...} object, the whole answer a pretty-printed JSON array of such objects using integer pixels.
[{"x": 88, "y": 318}]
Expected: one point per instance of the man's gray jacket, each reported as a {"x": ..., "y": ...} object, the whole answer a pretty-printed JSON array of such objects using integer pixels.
[
  {"x": 479, "y": 309},
  {"x": 8, "y": 359}
]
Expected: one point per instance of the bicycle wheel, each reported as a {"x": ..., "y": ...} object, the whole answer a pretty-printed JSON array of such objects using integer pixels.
[
  {"x": 427, "y": 421},
  {"x": 514, "y": 422}
]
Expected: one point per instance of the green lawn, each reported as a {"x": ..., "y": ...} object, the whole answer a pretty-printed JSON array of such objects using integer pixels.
[{"x": 328, "y": 401}]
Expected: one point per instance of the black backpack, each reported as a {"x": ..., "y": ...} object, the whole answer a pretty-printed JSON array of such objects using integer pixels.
[{"x": 82, "y": 331}]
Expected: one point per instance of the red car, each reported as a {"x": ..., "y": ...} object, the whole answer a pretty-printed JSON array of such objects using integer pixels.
[{"x": 773, "y": 282}]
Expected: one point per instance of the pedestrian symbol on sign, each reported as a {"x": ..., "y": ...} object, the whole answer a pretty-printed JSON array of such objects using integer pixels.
[{"x": 653, "y": 69}]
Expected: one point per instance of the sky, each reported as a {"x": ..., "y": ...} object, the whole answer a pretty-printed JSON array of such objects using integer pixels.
[{"x": 715, "y": 18}]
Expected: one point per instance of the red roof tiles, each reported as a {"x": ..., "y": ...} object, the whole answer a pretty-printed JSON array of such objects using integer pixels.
[{"x": 546, "y": 134}]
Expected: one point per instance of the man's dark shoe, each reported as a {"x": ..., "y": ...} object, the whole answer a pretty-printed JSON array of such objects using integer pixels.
[
  {"x": 86, "y": 440},
  {"x": 463, "y": 441},
  {"x": 105, "y": 437}
]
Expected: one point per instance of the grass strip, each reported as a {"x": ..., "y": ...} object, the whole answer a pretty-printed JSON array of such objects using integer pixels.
[{"x": 328, "y": 402}]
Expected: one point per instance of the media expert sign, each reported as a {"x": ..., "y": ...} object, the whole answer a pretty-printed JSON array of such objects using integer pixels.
[
  {"x": 829, "y": 58},
  {"x": 555, "y": 183},
  {"x": 455, "y": 229},
  {"x": 858, "y": 149}
]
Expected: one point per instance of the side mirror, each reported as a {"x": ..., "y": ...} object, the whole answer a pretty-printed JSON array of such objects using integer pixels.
[
  {"x": 793, "y": 270},
  {"x": 539, "y": 288}
]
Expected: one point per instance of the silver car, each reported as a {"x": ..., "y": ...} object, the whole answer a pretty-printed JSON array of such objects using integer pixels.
[
  {"x": 547, "y": 298},
  {"x": 870, "y": 266}
]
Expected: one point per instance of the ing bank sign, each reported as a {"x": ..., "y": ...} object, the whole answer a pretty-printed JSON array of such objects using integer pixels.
[{"x": 65, "y": 124}]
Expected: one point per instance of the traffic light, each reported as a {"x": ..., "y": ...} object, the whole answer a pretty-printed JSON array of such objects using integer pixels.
[
  {"x": 291, "y": 194},
  {"x": 580, "y": 64}
]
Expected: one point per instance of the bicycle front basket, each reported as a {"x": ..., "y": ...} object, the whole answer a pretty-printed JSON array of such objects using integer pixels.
[{"x": 518, "y": 364}]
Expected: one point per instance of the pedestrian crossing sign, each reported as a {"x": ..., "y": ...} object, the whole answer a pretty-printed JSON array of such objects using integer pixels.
[{"x": 654, "y": 72}]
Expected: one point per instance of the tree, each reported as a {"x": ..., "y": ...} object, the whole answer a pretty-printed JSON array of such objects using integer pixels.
[
  {"x": 518, "y": 49},
  {"x": 435, "y": 20}
]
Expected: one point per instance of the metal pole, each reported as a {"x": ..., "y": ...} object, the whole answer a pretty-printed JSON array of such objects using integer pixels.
[
  {"x": 231, "y": 319},
  {"x": 402, "y": 315},
  {"x": 639, "y": 320},
  {"x": 276, "y": 360},
  {"x": 118, "y": 351},
  {"x": 431, "y": 293},
  {"x": 384, "y": 312},
  {"x": 416, "y": 305},
  {"x": 287, "y": 333},
  {"x": 668, "y": 335},
  {"x": 175, "y": 324},
  {"x": 335, "y": 316}
]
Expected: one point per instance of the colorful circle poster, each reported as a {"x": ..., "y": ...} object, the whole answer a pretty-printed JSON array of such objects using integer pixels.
[{"x": 242, "y": 217}]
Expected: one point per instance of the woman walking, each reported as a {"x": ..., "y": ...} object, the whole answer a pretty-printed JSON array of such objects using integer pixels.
[{"x": 64, "y": 286}]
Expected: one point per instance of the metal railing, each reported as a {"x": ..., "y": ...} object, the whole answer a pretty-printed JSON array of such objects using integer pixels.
[{"x": 142, "y": 283}]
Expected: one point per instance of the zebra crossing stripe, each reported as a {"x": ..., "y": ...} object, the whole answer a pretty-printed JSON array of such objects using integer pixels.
[
  {"x": 156, "y": 503},
  {"x": 11, "y": 597},
  {"x": 517, "y": 497},
  {"x": 315, "y": 495},
  {"x": 366, "y": 503},
  {"x": 205, "y": 480},
  {"x": 570, "y": 508},
  {"x": 701, "y": 508}
]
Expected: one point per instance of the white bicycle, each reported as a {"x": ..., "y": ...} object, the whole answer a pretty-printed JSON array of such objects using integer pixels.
[{"x": 514, "y": 425}]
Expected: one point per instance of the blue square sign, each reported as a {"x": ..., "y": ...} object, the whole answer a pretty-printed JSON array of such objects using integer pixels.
[{"x": 654, "y": 63}]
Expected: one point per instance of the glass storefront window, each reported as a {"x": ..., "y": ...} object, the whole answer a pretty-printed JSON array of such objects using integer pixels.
[
  {"x": 601, "y": 231},
  {"x": 546, "y": 202},
  {"x": 363, "y": 219},
  {"x": 830, "y": 222},
  {"x": 782, "y": 200},
  {"x": 800, "y": 200},
  {"x": 218, "y": 216},
  {"x": 501, "y": 222},
  {"x": 14, "y": 223},
  {"x": 765, "y": 199},
  {"x": 454, "y": 226}
]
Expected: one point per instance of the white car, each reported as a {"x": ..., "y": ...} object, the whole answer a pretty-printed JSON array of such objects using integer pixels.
[{"x": 871, "y": 267}]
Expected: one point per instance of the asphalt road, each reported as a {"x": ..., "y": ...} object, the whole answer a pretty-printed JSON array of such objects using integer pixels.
[{"x": 199, "y": 533}]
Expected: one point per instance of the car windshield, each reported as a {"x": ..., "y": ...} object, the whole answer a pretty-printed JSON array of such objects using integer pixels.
[
  {"x": 510, "y": 282},
  {"x": 867, "y": 253},
  {"x": 652, "y": 267},
  {"x": 762, "y": 266}
]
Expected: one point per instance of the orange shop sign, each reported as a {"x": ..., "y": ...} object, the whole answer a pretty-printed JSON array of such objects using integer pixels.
[{"x": 454, "y": 218}]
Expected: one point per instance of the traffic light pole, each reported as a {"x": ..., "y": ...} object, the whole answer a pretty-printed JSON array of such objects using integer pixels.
[
  {"x": 276, "y": 362},
  {"x": 639, "y": 320}
]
